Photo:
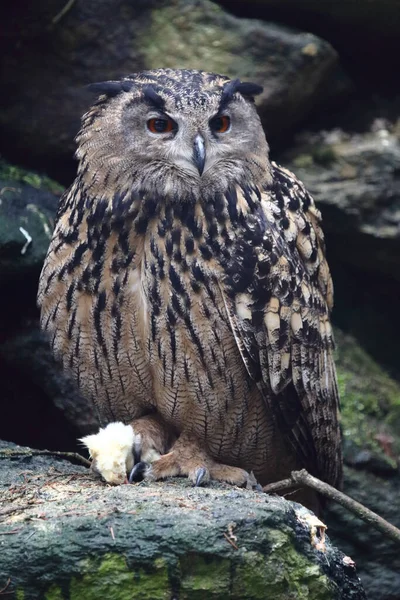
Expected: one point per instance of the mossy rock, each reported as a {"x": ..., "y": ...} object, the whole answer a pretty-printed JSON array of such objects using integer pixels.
[
  {"x": 28, "y": 205},
  {"x": 16, "y": 174},
  {"x": 370, "y": 408},
  {"x": 79, "y": 539}
]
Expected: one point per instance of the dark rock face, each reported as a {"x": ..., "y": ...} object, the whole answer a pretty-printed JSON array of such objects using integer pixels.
[
  {"x": 82, "y": 539},
  {"x": 26, "y": 223},
  {"x": 366, "y": 34},
  {"x": 41, "y": 405},
  {"x": 354, "y": 178},
  {"x": 46, "y": 65},
  {"x": 28, "y": 203},
  {"x": 378, "y": 560}
]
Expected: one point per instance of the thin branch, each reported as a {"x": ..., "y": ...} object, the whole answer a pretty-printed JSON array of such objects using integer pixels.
[
  {"x": 13, "y": 509},
  {"x": 303, "y": 478},
  {"x": 278, "y": 486},
  {"x": 228, "y": 539},
  {"x": 71, "y": 456}
]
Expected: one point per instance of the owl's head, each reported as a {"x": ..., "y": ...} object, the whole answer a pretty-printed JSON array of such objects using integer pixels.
[{"x": 174, "y": 133}]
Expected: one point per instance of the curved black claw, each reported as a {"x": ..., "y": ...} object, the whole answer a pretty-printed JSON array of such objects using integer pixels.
[
  {"x": 138, "y": 471},
  {"x": 252, "y": 483},
  {"x": 200, "y": 475},
  {"x": 137, "y": 452}
]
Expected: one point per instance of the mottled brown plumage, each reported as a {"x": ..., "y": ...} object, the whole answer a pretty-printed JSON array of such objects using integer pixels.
[{"x": 186, "y": 284}]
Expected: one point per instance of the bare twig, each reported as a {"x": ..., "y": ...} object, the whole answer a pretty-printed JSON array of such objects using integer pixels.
[
  {"x": 278, "y": 486},
  {"x": 228, "y": 539},
  {"x": 13, "y": 509},
  {"x": 71, "y": 456},
  {"x": 304, "y": 479}
]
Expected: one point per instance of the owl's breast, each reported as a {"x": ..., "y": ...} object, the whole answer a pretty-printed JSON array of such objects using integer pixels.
[{"x": 197, "y": 372}]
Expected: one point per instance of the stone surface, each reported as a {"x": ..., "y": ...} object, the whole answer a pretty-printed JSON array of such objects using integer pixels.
[
  {"x": 28, "y": 201},
  {"x": 80, "y": 539},
  {"x": 46, "y": 65},
  {"x": 354, "y": 179}
]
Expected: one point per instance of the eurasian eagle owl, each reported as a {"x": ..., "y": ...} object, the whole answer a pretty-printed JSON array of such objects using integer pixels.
[{"x": 187, "y": 290}]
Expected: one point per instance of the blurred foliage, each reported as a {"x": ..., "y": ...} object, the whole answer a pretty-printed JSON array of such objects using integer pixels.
[
  {"x": 370, "y": 400},
  {"x": 36, "y": 180}
]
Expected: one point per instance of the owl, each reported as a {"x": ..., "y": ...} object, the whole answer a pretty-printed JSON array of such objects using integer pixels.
[{"x": 186, "y": 289}]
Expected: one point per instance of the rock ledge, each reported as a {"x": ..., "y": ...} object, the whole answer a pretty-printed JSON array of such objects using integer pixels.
[{"x": 65, "y": 535}]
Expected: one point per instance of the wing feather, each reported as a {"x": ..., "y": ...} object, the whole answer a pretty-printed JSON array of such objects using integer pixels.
[{"x": 282, "y": 327}]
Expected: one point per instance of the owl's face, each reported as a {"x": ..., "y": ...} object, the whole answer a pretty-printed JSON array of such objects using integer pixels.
[{"x": 173, "y": 133}]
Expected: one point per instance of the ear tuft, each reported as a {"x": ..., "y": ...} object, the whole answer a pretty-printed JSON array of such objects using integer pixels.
[
  {"x": 111, "y": 88},
  {"x": 151, "y": 96},
  {"x": 246, "y": 89},
  {"x": 249, "y": 89}
]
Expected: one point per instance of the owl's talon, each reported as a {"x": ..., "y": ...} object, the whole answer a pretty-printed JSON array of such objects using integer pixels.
[
  {"x": 137, "y": 452},
  {"x": 202, "y": 474},
  {"x": 138, "y": 471},
  {"x": 252, "y": 483}
]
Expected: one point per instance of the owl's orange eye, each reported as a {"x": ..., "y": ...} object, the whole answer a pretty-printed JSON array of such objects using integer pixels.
[
  {"x": 161, "y": 125},
  {"x": 220, "y": 124}
]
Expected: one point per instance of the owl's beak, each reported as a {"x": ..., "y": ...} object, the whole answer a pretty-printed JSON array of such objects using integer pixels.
[{"x": 199, "y": 153}]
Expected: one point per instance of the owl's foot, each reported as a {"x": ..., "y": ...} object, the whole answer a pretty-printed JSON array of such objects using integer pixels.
[
  {"x": 187, "y": 458},
  {"x": 152, "y": 438},
  {"x": 116, "y": 448}
]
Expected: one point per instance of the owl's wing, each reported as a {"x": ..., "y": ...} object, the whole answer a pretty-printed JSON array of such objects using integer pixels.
[{"x": 278, "y": 293}]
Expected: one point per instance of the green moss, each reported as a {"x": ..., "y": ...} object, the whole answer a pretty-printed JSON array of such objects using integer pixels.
[
  {"x": 323, "y": 154},
  {"x": 20, "y": 595},
  {"x": 282, "y": 574},
  {"x": 37, "y": 181},
  {"x": 202, "y": 578},
  {"x": 188, "y": 37},
  {"x": 54, "y": 593},
  {"x": 285, "y": 574},
  {"x": 303, "y": 161},
  {"x": 370, "y": 398},
  {"x": 111, "y": 578}
]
